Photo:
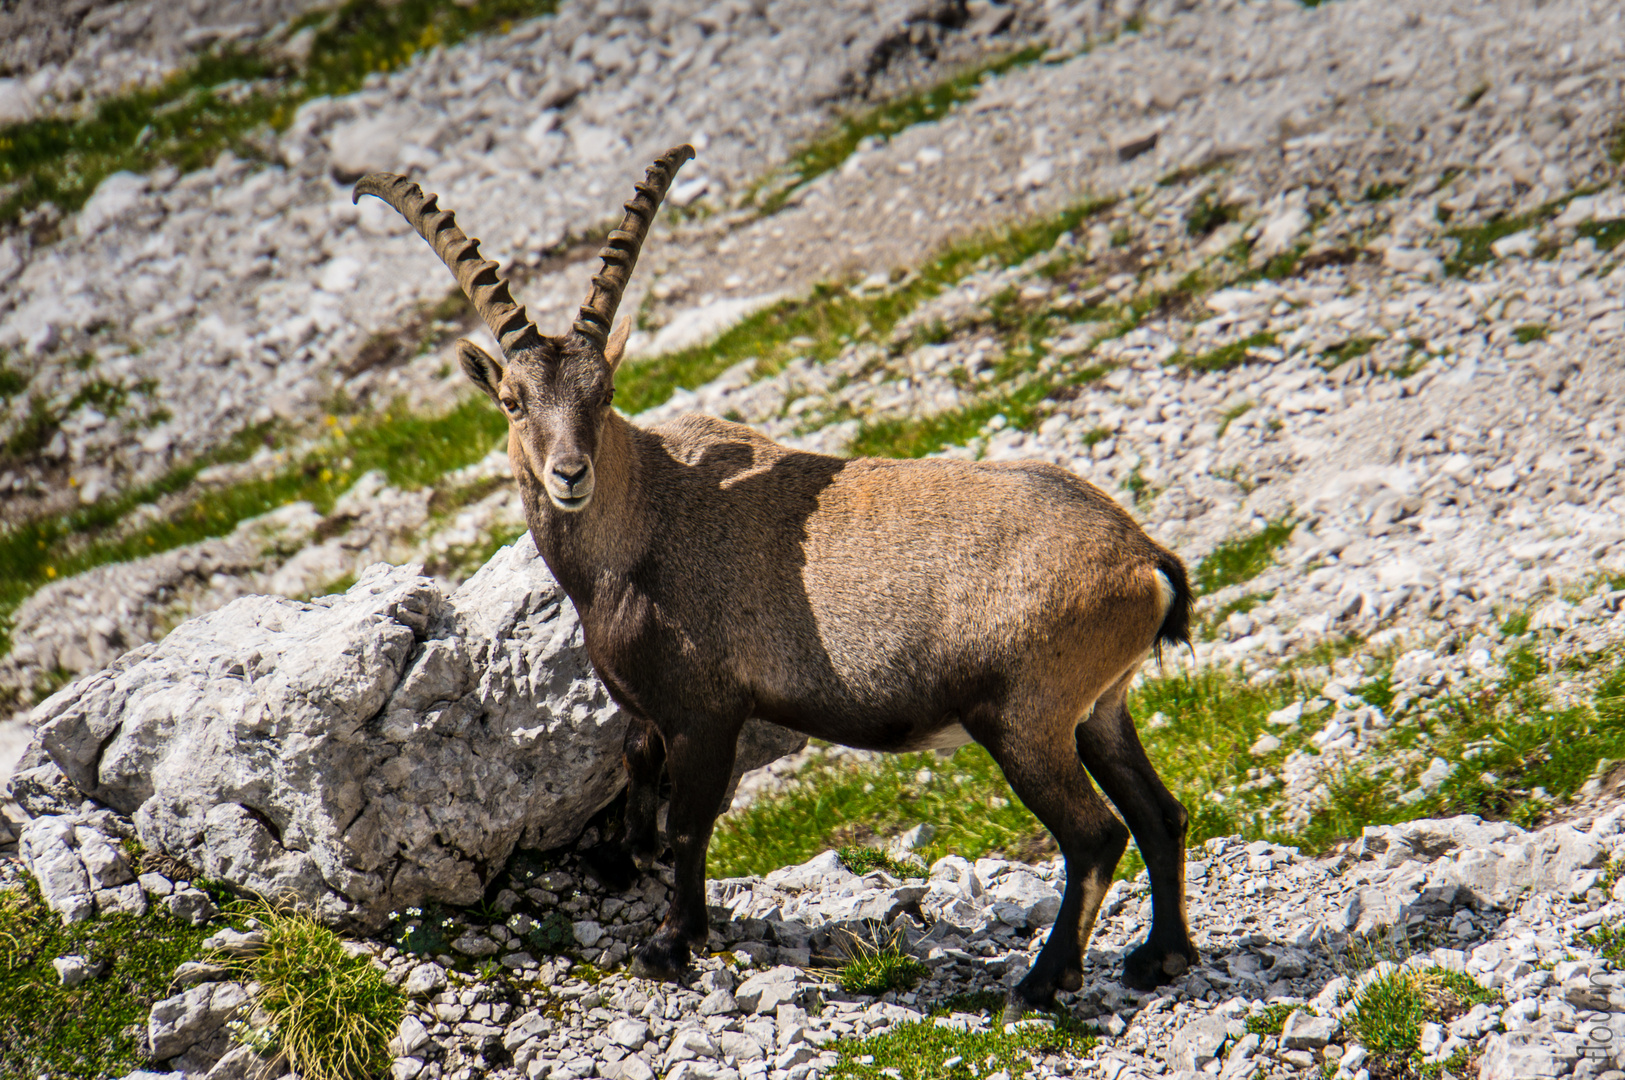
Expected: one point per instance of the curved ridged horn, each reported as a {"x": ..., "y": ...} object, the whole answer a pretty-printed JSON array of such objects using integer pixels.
[
  {"x": 620, "y": 253},
  {"x": 478, "y": 276}
]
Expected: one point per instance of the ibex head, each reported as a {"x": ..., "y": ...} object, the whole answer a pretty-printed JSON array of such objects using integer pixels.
[{"x": 555, "y": 391}]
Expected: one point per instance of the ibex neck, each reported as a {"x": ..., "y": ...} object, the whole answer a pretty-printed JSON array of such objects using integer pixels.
[{"x": 602, "y": 542}]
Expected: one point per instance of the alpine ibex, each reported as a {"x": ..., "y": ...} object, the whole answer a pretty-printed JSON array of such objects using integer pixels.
[{"x": 889, "y": 605}]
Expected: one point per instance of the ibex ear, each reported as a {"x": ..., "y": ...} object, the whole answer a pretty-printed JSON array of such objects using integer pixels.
[
  {"x": 480, "y": 367},
  {"x": 615, "y": 348}
]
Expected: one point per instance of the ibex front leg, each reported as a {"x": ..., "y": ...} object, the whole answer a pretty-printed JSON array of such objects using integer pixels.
[
  {"x": 700, "y": 763},
  {"x": 644, "y": 753}
]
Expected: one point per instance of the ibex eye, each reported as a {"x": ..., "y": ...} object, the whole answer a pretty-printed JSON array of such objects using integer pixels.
[{"x": 512, "y": 408}]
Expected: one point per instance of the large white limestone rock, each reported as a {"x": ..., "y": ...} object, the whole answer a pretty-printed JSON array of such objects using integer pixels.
[{"x": 361, "y": 752}]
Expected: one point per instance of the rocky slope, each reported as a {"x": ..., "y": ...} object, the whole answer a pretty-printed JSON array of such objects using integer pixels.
[
  {"x": 1331, "y": 297},
  {"x": 1294, "y": 948}
]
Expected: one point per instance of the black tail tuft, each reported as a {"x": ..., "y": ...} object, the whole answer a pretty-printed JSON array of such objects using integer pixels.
[{"x": 1176, "y": 625}]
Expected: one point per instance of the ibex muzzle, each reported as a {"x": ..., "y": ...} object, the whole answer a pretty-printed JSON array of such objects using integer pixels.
[{"x": 889, "y": 605}]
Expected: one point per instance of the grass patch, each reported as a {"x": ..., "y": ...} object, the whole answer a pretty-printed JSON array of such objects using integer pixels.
[
  {"x": 1242, "y": 558},
  {"x": 924, "y": 1051},
  {"x": 1531, "y": 332},
  {"x": 1281, "y": 266},
  {"x": 1231, "y": 415},
  {"x": 1609, "y": 940},
  {"x": 1515, "y": 753},
  {"x": 830, "y": 317},
  {"x": 554, "y": 935},
  {"x": 1214, "y": 619},
  {"x": 842, "y": 805},
  {"x": 1606, "y": 235},
  {"x": 230, "y": 98},
  {"x": 1207, "y": 214},
  {"x": 826, "y": 153},
  {"x": 1225, "y": 357},
  {"x": 1352, "y": 349},
  {"x": 90, "y": 1031},
  {"x": 861, "y": 860},
  {"x": 1516, "y": 624},
  {"x": 1187, "y": 173},
  {"x": 1475, "y": 243},
  {"x": 1270, "y": 1020},
  {"x": 1388, "y": 1014},
  {"x": 917, "y": 436},
  {"x": 877, "y": 967},
  {"x": 332, "y": 1013}
]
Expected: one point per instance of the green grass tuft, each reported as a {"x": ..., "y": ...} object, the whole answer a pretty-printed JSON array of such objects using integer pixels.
[
  {"x": 332, "y": 1013},
  {"x": 1606, "y": 235},
  {"x": 1207, "y": 214},
  {"x": 1225, "y": 357},
  {"x": 90, "y": 1031},
  {"x": 878, "y": 968},
  {"x": 1531, "y": 332},
  {"x": 1352, "y": 349},
  {"x": 1609, "y": 940},
  {"x": 1475, "y": 243},
  {"x": 861, "y": 860},
  {"x": 1389, "y": 1013},
  {"x": 1271, "y": 1019},
  {"x": 1211, "y": 718},
  {"x": 1388, "y": 1016},
  {"x": 1516, "y": 624},
  {"x": 842, "y": 805},
  {"x": 1214, "y": 619},
  {"x": 1241, "y": 559}
]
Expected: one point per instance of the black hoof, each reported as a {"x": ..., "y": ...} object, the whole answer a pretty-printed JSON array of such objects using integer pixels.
[
  {"x": 1149, "y": 966},
  {"x": 1024, "y": 999},
  {"x": 660, "y": 960}
]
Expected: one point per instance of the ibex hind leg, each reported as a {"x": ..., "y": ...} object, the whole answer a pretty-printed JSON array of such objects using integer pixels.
[
  {"x": 1110, "y": 749},
  {"x": 700, "y": 761},
  {"x": 1042, "y": 767},
  {"x": 644, "y": 753}
]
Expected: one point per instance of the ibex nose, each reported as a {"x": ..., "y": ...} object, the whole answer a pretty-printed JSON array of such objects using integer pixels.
[{"x": 571, "y": 477}]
